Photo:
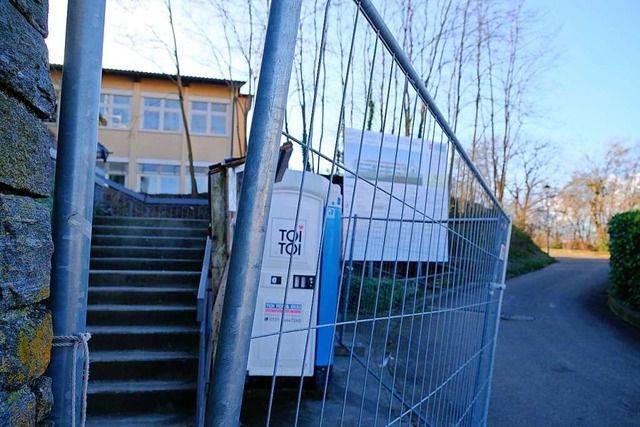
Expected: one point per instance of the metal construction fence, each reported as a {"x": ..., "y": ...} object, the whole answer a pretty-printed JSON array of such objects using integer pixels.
[{"x": 365, "y": 288}]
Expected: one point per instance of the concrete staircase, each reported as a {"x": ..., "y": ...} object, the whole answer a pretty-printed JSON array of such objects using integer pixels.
[{"x": 142, "y": 314}]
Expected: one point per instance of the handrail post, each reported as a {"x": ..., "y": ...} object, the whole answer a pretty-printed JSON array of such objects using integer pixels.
[
  {"x": 203, "y": 314},
  {"x": 245, "y": 263},
  {"x": 73, "y": 196}
]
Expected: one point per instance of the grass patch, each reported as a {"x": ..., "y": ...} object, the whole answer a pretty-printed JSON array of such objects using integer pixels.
[
  {"x": 524, "y": 255},
  {"x": 384, "y": 296}
]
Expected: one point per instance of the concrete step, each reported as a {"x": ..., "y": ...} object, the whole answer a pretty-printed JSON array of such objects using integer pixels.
[
  {"x": 123, "y": 263},
  {"x": 143, "y": 278},
  {"x": 142, "y": 298},
  {"x": 142, "y": 420},
  {"x": 149, "y": 241},
  {"x": 150, "y": 222},
  {"x": 141, "y": 315},
  {"x": 143, "y": 365},
  {"x": 146, "y": 252},
  {"x": 121, "y": 230},
  {"x": 149, "y": 338},
  {"x": 139, "y": 295},
  {"x": 153, "y": 396}
]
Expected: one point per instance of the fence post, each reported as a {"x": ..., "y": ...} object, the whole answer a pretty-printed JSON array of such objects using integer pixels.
[
  {"x": 73, "y": 197},
  {"x": 225, "y": 394},
  {"x": 491, "y": 321},
  {"x": 501, "y": 275},
  {"x": 349, "y": 273}
]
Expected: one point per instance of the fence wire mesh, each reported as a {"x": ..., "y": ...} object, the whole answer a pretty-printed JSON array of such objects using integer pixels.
[{"x": 396, "y": 326}]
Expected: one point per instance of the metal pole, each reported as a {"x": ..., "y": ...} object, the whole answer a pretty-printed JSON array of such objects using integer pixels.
[
  {"x": 546, "y": 189},
  {"x": 548, "y": 230},
  {"x": 73, "y": 195},
  {"x": 349, "y": 273},
  {"x": 502, "y": 276},
  {"x": 225, "y": 393},
  {"x": 234, "y": 103}
]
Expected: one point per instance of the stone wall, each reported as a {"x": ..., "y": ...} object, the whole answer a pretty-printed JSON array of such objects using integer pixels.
[{"x": 26, "y": 97}]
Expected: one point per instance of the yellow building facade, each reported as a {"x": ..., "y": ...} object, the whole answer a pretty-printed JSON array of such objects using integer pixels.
[{"x": 142, "y": 128}]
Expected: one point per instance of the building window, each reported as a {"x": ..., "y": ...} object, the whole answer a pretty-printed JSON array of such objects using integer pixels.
[
  {"x": 115, "y": 111},
  {"x": 202, "y": 175},
  {"x": 116, "y": 172},
  {"x": 158, "y": 179},
  {"x": 209, "y": 118},
  {"x": 161, "y": 115}
]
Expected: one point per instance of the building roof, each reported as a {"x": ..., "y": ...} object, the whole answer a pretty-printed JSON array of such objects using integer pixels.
[{"x": 139, "y": 75}]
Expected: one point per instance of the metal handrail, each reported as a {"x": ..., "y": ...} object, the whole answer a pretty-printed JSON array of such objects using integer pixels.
[
  {"x": 204, "y": 316},
  {"x": 204, "y": 278},
  {"x": 101, "y": 180}
]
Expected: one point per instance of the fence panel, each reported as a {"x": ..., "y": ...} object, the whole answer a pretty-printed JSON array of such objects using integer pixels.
[{"x": 390, "y": 317}]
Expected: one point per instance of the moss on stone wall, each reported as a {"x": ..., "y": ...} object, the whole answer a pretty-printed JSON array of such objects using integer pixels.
[{"x": 25, "y": 337}]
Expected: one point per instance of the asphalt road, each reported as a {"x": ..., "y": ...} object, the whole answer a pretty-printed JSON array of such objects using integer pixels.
[{"x": 563, "y": 359}]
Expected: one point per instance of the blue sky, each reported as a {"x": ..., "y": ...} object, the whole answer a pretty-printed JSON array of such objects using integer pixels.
[{"x": 593, "y": 93}]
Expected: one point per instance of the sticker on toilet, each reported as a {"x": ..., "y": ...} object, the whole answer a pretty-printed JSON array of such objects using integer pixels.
[{"x": 273, "y": 312}]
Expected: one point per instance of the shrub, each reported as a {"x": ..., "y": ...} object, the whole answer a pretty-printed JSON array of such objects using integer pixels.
[
  {"x": 556, "y": 244},
  {"x": 624, "y": 244}
]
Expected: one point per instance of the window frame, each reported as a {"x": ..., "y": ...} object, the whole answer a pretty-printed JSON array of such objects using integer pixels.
[
  {"x": 162, "y": 97},
  {"x": 209, "y": 113},
  {"x": 117, "y": 160},
  {"x": 157, "y": 163},
  {"x": 117, "y": 92},
  {"x": 205, "y": 175}
]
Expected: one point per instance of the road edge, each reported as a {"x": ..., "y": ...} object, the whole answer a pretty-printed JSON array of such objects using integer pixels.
[{"x": 623, "y": 311}]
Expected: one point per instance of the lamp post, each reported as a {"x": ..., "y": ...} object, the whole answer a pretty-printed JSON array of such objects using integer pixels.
[{"x": 546, "y": 189}]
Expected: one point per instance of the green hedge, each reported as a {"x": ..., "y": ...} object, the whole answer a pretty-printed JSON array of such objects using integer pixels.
[{"x": 624, "y": 245}]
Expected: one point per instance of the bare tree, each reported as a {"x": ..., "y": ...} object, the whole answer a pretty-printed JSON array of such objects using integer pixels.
[
  {"x": 460, "y": 61},
  {"x": 572, "y": 221},
  {"x": 171, "y": 48},
  {"x": 310, "y": 78},
  {"x": 511, "y": 54},
  {"x": 606, "y": 186},
  {"x": 178, "y": 81},
  {"x": 233, "y": 47},
  {"x": 607, "y": 181},
  {"x": 482, "y": 55},
  {"x": 534, "y": 163}
]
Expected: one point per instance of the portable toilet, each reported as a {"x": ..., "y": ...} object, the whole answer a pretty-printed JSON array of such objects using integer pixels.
[{"x": 288, "y": 295}]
